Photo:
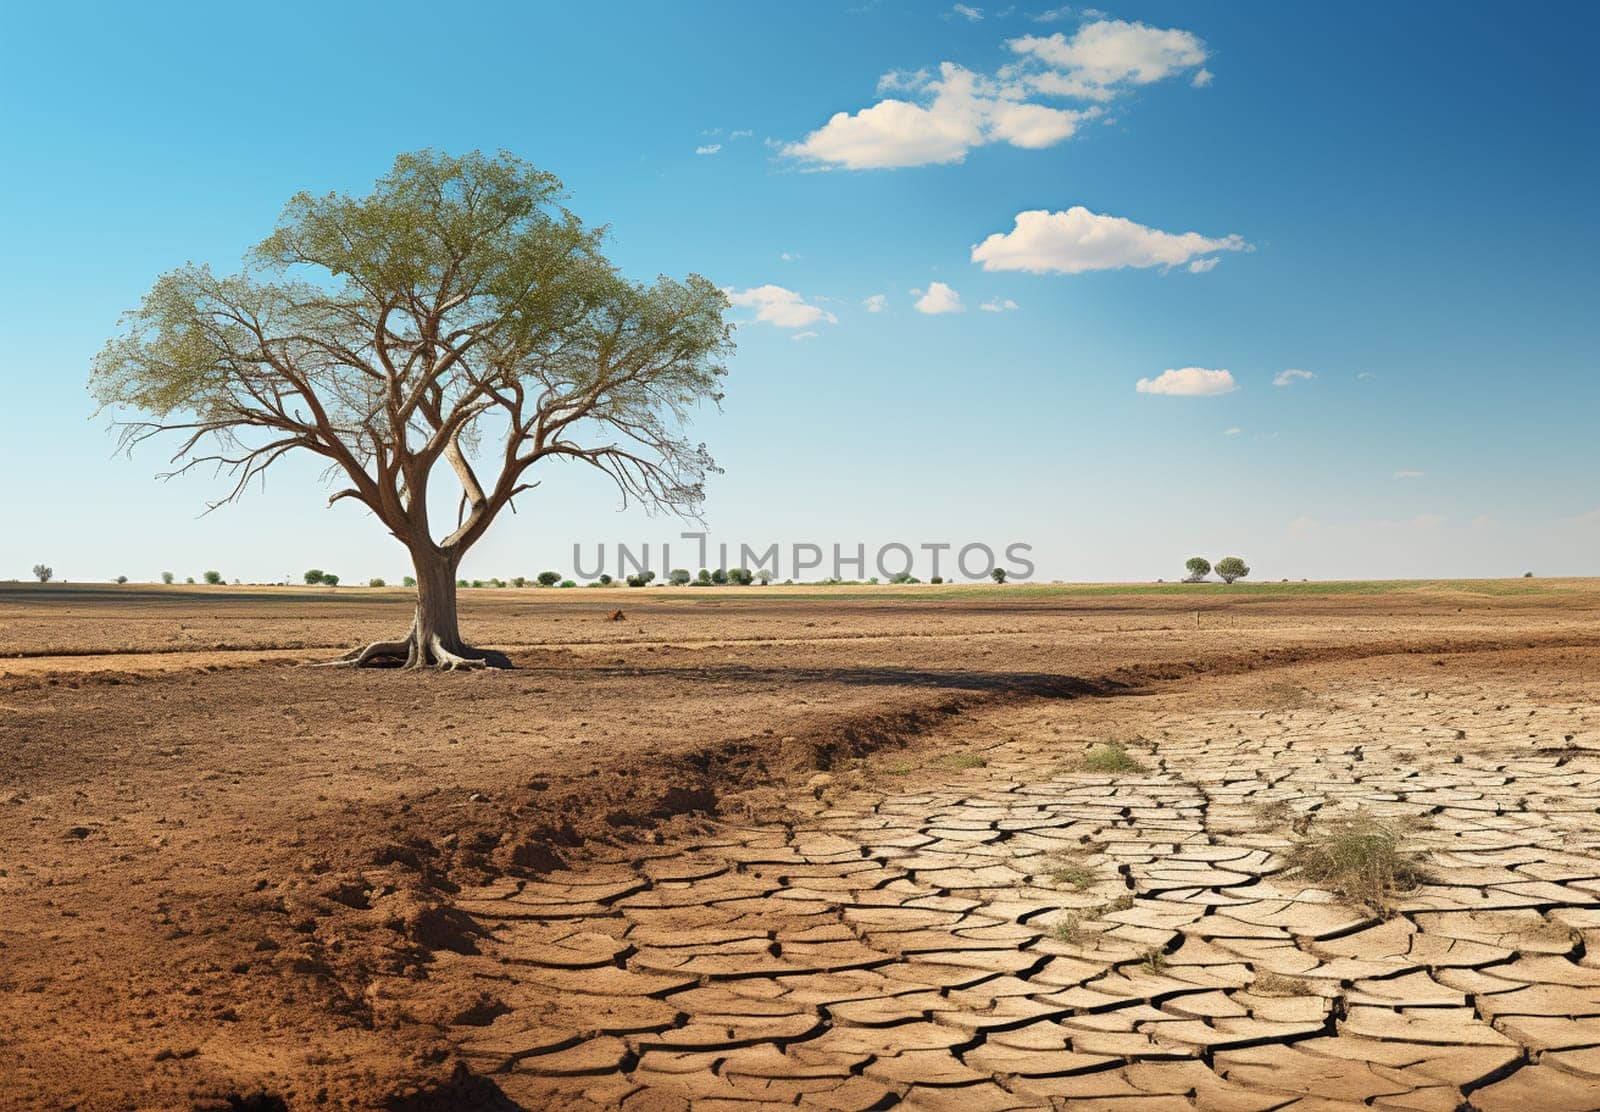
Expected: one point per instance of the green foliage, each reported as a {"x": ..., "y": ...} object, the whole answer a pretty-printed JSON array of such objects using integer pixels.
[
  {"x": 313, "y": 577},
  {"x": 1231, "y": 568},
  {"x": 459, "y": 300},
  {"x": 743, "y": 577},
  {"x": 604, "y": 580},
  {"x": 167, "y": 577},
  {"x": 568, "y": 583},
  {"x": 549, "y": 578},
  {"x": 43, "y": 572},
  {"x": 328, "y": 579},
  {"x": 376, "y": 583},
  {"x": 1357, "y": 857},
  {"x": 462, "y": 583},
  {"x": 678, "y": 576},
  {"x": 190, "y": 579},
  {"x": 937, "y": 579},
  {"x": 1198, "y": 567},
  {"x": 120, "y": 579},
  {"x": 704, "y": 578},
  {"x": 477, "y": 583},
  {"x": 764, "y": 576},
  {"x": 719, "y": 577},
  {"x": 408, "y": 581},
  {"x": 998, "y": 575},
  {"x": 519, "y": 581},
  {"x": 213, "y": 577}
]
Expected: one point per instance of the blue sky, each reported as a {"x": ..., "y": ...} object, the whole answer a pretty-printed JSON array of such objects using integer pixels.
[{"x": 1410, "y": 189}]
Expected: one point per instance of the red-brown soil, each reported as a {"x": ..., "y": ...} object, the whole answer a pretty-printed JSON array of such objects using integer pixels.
[{"x": 229, "y": 879}]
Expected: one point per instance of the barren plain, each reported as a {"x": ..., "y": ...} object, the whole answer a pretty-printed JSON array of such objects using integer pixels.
[{"x": 756, "y": 848}]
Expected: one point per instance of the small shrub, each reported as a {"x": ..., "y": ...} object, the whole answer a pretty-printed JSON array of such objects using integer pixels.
[
  {"x": 213, "y": 577},
  {"x": 190, "y": 579},
  {"x": 937, "y": 579},
  {"x": 568, "y": 583},
  {"x": 477, "y": 583},
  {"x": 462, "y": 583},
  {"x": 764, "y": 576},
  {"x": 497, "y": 582},
  {"x": 704, "y": 578},
  {"x": 1527, "y": 575},
  {"x": 634, "y": 581},
  {"x": 679, "y": 576},
  {"x": 1066, "y": 870},
  {"x": 328, "y": 579},
  {"x": 1110, "y": 756},
  {"x": 743, "y": 577},
  {"x": 604, "y": 580},
  {"x": 998, "y": 575},
  {"x": 1357, "y": 857},
  {"x": 519, "y": 581},
  {"x": 549, "y": 578},
  {"x": 376, "y": 582},
  {"x": 1069, "y": 929},
  {"x": 1155, "y": 960},
  {"x": 120, "y": 579},
  {"x": 408, "y": 581},
  {"x": 313, "y": 577},
  {"x": 720, "y": 577}
]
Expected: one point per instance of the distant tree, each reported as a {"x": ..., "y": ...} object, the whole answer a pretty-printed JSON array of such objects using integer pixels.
[
  {"x": 1199, "y": 567},
  {"x": 408, "y": 581},
  {"x": 215, "y": 577},
  {"x": 457, "y": 317},
  {"x": 376, "y": 583},
  {"x": 704, "y": 578},
  {"x": 765, "y": 576},
  {"x": 743, "y": 577},
  {"x": 43, "y": 572},
  {"x": 167, "y": 577},
  {"x": 549, "y": 578},
  {"x": 604, "y": 580},
  {"x": 1527, "y": 575},
  {"x": 313, "y": 577},
  {"x": 568, "y": 583},
  {"x": 679, "y": 576},
  {"x": 719, "y": 577},
  {"x": 330, "y": 579},
  {"x": 120, "y": 579},
  {"x": 936, "y": 579},
  {"x": 189, "y": 579},
  {"x": 519, "y": 581},
  {"x": 998, "y": 575},
  {"x": 1231, "y": 568},
  {"x": 647, "y": 575}
]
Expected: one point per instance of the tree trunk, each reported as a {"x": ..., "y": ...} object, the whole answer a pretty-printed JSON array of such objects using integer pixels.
[{"x": 434, "y": 640}]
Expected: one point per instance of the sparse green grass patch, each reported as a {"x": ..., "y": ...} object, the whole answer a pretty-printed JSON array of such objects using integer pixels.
[
  {"x": 1110, "y": 756},
  {"x": 1359, "y": 858}
]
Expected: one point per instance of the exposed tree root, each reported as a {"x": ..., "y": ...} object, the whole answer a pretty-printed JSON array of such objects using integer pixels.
[{"x": 411, "y": 652}]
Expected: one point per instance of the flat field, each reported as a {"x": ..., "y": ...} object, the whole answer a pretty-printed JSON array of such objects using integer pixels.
[{"x": 994, "y": 848}]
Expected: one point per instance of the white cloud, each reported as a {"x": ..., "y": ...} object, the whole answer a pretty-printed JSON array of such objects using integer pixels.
[
  {"x": 1078, "y": 240},
  {"x": 939, "y": 298},
  {"x": 947, "y": 114},
  {"x": 790, "y": 256},
  {"x": 968, "y": 12},
  {"x": 1188, "y": 382},
  {"x": 1428, "y": 521},
  {"x": 1200, "y": 266},
  {"x": 1409, "y": 474},
  {"x": 963, "y": 110},
  {"x": 1054, "y": 15},
  {"x": 709, "y": 148},
  {"x": 742, "y": 133},
  {"x": 780, "y": 307},
  {"x": 1235, "y": 431},
  {"x": 1202, "y": 78},
  {"x": 999, "y": 305},
  {"x": 1111, "y": 52},
  {"x": 877, "y": 303},
  {"x": 1365, "y": 375},
  {"x": 804, "y": 336},
  {"x": 1291, "y": 376}
]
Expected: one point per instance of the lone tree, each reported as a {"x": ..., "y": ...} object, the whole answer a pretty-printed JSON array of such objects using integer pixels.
[
  {"x": 457, "y": 314},
  {"x": 1199, "y": 567},
  {"x": 1231, "y": 568},
  {"x": 43, "y": 572}
]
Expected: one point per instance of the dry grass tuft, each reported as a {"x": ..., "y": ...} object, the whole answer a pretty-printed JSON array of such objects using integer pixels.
[
  {"x": 1357, "y": 857},
  {"x": 1268, "y": 983},
  {"x": 964, "y": 760},
  {"x": 1065, "y": 869}
]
